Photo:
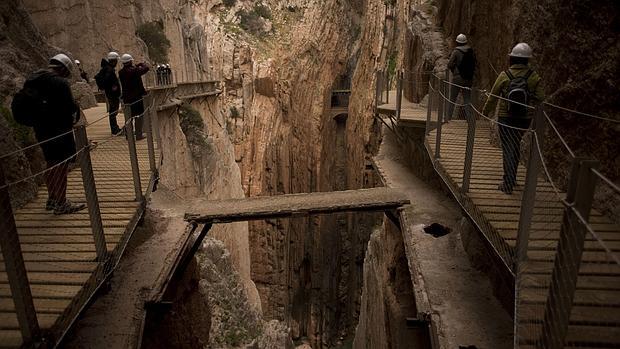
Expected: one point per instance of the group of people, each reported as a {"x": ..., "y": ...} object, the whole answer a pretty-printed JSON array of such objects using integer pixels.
[
  {"x": 163, "y": 74},
  {"x": 46, "y": 104},
  {"x": 515, "y": 90},
  {"x": 127, "y": 86}
]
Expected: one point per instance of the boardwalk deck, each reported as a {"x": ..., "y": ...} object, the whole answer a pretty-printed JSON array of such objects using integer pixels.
[
  {"x": 59, "y": 251},
  {"x": 411, "y": 114},
  {"x": 290, "y": 205},
  {"x": 595, "y": 318}
]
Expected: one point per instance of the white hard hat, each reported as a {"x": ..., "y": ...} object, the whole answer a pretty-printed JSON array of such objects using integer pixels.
[
  {"x": 521, "y": 50},
  {"x": 167, "y": 65},
  {"x": 60, "y": 60},
  {"x": 113, "y": 55},
  {"x": 126, "y": 58},
  {"x": 461, "y": 39},
  {"x": 77, "y": 61}
]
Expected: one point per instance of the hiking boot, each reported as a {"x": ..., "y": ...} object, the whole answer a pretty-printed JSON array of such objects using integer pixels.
[
  {"x": 505, "y": 188},
  {"x": 50, "y": 204},
  {"x": 140, "y": 137},
  {"x": 68, "y": 207},
  {"x": 116, "y": 131}
]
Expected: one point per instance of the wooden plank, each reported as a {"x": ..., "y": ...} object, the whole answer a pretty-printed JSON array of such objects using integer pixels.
[
  {"x": 583, "y": 315},
  {"x": 297, "y": 204},
  {"x": 66, "y": 231},
  {"x": 604, "y": 336},
  {"x": 10, "y": 339},
  {"x": 45, "y": 278},
  {"x": 42, "y": 305},
  {"x": 58, "y": 266},
  {"x": 46, "y": 291},
  {"x": 600, "y": 282},
  {"x": 8, "y": 321}
]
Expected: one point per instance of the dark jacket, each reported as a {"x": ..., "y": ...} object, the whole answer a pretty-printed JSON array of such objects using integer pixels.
[
  {"x": 131, "y": 81},
  {"x": 61, "y": 113},
  {"x": 455, "y": 61},
  {"x": 111, "y": 85}
]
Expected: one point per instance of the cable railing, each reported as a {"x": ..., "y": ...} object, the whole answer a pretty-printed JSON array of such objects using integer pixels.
[
  {"x": 549, "y": 217},
  {"x": 62, "y": 244}
]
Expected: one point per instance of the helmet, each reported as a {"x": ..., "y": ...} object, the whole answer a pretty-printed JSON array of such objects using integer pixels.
[
  {"x": 167, "y": 65},
  {"x": 522, "y": 50},
  {"x": 461, "y": 39},
  {"x": 112, "y": 56},
  {"x": 77, "y": 62},
  {"x": 126, "y": 58},
  {"x": 60, "y": 60}
]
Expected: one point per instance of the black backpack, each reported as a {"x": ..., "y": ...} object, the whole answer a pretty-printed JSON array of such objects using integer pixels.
[
  {"x": 29, "y": 104},
  {"x": 518, "y": 92},
  {"x": 468, "y": 65},
  {"x": 100, "y": 79}
]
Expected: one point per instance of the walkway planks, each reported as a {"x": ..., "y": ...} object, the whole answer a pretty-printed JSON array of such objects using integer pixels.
[
  {"x": 411, "y": 114},
  {"x": 59, "y": 251},
  {"x": 291, "y": 205},
  {"x": 595, "y": 319}
]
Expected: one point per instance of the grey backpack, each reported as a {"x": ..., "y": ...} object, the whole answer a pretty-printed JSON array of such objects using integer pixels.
[{"x": 518, "y": 92}]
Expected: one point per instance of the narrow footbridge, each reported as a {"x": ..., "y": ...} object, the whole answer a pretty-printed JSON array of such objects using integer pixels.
[
  {"x": 53, "y": 265},
  {"x": 554, "y": 241}
]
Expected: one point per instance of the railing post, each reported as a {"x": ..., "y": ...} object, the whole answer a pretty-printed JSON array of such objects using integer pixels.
[
  {"x": 378, "y": 89},
  {"x": 529, "y": 192},
  {"x": 469, "y": 149},
  {"x": 90, "y": 192},
  {"x": 16, "y": 269},
  {"x": 148, "y": 112},
  {"x": 441, "y": 100},
  {"x": 569, "y": 253},
  {"x": 387, "y": 86},
  {"x": 133, "y": 155},
  {"x": 399, "y": 94},
  {"x": 429, "y": 110}
]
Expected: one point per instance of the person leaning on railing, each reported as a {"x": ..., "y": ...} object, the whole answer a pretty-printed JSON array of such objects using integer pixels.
[
  {"x": 522, "y": 86},
  {"x": 53, "y": 129}
]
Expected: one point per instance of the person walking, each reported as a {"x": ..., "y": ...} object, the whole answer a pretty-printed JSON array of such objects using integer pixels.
[
  {"x": 108, "y": 82},
  {"x": 57, "y": 111},
  {"x": 462, "y": 64},
  {"x": 520, "y": 88},
  {"x": 133, "y": 89}
]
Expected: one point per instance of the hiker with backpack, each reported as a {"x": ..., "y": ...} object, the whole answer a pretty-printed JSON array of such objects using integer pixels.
[
  {"x": 462, "y": 64},
  {"x": 46, "y": 104},
  {"x": 108, "y": 82},
  {"x": 520, "y": 88}
]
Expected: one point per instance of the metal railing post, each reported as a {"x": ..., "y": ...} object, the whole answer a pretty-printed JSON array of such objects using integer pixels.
[
  {"x": 133, "y": 154},
  {"x": 569, "y": 253},
  {"x": 16, "y": 269},
  {"x": 378, "y": 91},
  {"x": 149, "y": 111},
  {"x": 90, "y": 192},
  {"x": 399, "y": 94},
  {"x": 469, "y": 148},
  {"x": 441, "y": 101},
  {"x": 529, "y": 192},
  {"x": 429, "y": 110},
  {"x": 387, "y": 86}
]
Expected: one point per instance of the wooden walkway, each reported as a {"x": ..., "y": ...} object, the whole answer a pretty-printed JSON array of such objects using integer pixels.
[
  {"x": 59, "y": 251},
  {"x": 595, "y": 316},
  {"x": 293, "y": 205},
  {"x": 411, "y": 114}
]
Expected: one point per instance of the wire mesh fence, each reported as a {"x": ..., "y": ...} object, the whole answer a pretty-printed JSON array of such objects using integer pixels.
[
  {"x": 62, "y": 239},
  {"x": 550, "y": 217}
]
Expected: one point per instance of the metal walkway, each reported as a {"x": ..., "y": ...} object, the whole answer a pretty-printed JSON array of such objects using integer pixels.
[{"x": 59, "y": 251}]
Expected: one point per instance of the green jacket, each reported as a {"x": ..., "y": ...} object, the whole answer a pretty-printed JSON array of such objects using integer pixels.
[{"x": 501, "y": 85}]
